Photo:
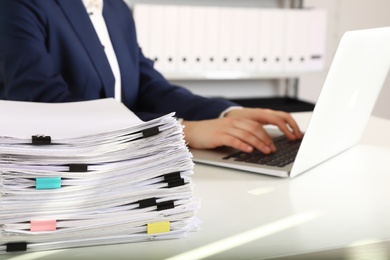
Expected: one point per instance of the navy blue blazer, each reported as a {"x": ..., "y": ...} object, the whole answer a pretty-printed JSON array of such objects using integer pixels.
[{"x": 50, "y": 52}]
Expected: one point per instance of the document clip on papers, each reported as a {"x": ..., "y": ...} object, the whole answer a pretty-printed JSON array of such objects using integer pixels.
[
  {"x": 78, "y": 167},
  {"x": 48, "y": 183},
  {"x": 40, "y": 139},
  {"x": 159, "y": 227},
  {"x": 16, "y": 247},
  {"x": 43, "y": 225},
  {"x": 147, "y": 203}
]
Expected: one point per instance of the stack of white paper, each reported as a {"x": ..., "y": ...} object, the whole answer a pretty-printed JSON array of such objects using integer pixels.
[{"x": 95, "y": 174}]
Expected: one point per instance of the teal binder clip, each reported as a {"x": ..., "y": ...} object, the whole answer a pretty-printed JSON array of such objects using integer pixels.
[{"x": 48, "y": 183}]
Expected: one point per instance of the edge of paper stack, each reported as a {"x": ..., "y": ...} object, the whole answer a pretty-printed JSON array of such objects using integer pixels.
[{"x": 123, "y": 184}]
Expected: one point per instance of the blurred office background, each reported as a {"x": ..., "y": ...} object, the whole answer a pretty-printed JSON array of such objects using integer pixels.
[
  {"x": 349, "y": 15},
  {"x": 342, "y": 15}
]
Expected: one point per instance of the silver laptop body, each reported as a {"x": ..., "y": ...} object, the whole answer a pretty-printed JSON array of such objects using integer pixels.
[{"x": 355, "y": 78}]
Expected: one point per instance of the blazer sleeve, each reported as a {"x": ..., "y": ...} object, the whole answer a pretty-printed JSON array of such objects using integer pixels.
[{"x": 26, "y": 68}]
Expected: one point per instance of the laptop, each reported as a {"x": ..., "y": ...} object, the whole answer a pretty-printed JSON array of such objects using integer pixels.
[{"x": 355, "y": 78}]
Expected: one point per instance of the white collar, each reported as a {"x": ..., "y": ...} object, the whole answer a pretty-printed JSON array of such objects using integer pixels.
[{"x": 92, "y": 5}]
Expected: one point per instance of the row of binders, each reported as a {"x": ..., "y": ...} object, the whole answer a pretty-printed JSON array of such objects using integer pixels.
[
  {"x": 91, "y": 174},
  {"x": 182, "y": 38}
]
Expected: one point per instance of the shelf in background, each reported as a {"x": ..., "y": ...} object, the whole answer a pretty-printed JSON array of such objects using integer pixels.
[
  {"x": 231, "y": 75},
  {"x": 277, "y": 103}
]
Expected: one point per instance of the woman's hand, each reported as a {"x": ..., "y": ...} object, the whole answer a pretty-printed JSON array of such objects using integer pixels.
[{"x": 242, "y": 129}]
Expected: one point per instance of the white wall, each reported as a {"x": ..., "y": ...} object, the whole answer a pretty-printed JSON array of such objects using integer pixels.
[
  {"x": 349, "y": 15},
  {"x": 360, "y": 14}
]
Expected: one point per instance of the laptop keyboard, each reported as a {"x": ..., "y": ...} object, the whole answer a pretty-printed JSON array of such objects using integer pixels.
[{"x": 286, "y": 151}]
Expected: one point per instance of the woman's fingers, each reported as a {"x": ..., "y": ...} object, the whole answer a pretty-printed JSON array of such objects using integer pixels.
[
  {"x": 252, "y": 133},
  {"x": 284, "y": 121},
  {"x": 242, "y": 134}
]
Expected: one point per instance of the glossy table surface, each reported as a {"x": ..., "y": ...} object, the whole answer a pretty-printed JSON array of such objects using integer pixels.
[{"x": 341, "y": 203}]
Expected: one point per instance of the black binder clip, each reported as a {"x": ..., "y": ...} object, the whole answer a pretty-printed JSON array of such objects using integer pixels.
[
  {"x": 78, "y": 167},
  {"x": 165, "y": 205},
  {"x": 16, "y": 247},
  {"x": 172, "y": 176},
  {"x": 151, "y": 131},
  {"x": 41, "y": 139},
  {"x": 147, "y": 203},
  {"x": 176, "y": 183}
]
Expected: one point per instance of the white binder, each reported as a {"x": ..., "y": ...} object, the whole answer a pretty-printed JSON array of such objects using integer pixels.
[
  {"x": 184, "y": 38},
  {"x": 317, "y": 39},
  {"x": 238, "y": 29},
  {"x": 297, "y": 42},
  {"x": 251, "y": 36},
  {"x": 142, "y": 21},
  {"x": 198, "y": 38},
  {"x": 156, "y": 34},
  {"x": 211, "y": 35},
  {"x": 277, "y": 39},
  {"x": 264, "y": 43},
  {"x": 225, "y": 57},
  {"x": 302, "y": 39},
  {"x": 169, "y": 55}
]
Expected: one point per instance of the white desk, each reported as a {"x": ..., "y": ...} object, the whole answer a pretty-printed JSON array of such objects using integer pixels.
[{"x": 249, "y": 216}]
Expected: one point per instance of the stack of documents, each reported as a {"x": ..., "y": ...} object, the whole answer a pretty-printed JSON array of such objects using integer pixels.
[{"x": 91, "y": 173}]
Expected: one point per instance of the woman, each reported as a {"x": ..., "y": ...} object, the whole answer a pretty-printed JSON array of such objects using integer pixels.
[{"x": 69, "y": 50}]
